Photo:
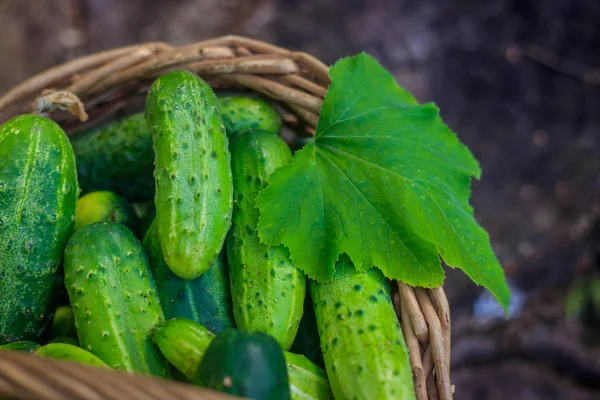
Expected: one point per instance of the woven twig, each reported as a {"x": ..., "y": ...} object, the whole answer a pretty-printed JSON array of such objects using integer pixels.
[
  {"x": 429, "y": 345},
  {"x": 106, "y": 82},
  {"x": 29, "y": 377}
]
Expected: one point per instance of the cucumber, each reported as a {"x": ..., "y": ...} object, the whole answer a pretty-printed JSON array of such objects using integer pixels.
[
  {"x": 63, "y": 323},
  {"x": 246, "y": 364},
  {"x": 267, "y": 290},
  {"x": 194, "y": 193},
  {"x": 307, "y": 380},
  {"x": 65, "y": 339},
  {"x": 118, "y": 157},
  {"x": 38, "y": 195},
  {"x": 105, "y": 206},
  {"x": 363, "y": 347},
  {"x": 307, "y": 340},
  {"x": 205, "y": 300},
  {"x": 114, "y": 298},
  {"x": 184, "y": 343},
  {"x": 23, "y": 346},
  {"x": 243, "y": 113},
  {"x": 63, "y": 351}
]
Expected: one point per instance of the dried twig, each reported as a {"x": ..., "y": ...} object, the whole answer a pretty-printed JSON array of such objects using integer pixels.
[
  {"x": 416, "y": 316},
  {"x": 438, "y": 347},
  {"x": 414, "y": 352},
  {"x": 53, "y": 100}
]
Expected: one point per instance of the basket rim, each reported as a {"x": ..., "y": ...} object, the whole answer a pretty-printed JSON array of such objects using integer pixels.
[{"x": 104, "y": 82}]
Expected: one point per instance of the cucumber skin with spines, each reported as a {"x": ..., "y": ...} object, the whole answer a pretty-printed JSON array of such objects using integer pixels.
[
  {"x": 243, "y": 113},
  {"x": 194, "y": 191},
  {"x": 184, "y": 342},
  {"x": 38, "y": 194},
  {"x": 118, "y": 157},
  {"x": 205, "y": 300},
  {"x": 68, "y": 352},
  {"x": 114, "y": 298},
  {"x": 363, "y": 347},
  {"x": 267, "y": 290},
  {"x": 105, "y": 206},
  {"x": 253, "y": 362},
  {"x": 24, "y": 346}
]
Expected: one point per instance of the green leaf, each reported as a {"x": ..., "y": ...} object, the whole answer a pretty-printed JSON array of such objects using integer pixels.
[{"x": 385, "y": 181}]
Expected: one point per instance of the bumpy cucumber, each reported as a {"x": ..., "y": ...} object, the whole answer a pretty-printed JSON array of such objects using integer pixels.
[
  {"x": 194, "y": 192},
  {"x": 205, "y": 300},
  {"x": 69, "y": 352},
  {"x": 308, "y": 381},
  {"x": 118, "y": 157},
  {"x": 242, "y": 113},
  {"x": 23, "y": 346},
  {"x": 38, "y": 194},
  {"x": 114, "y": 298},
  {"x": 63, "y": 323},
  {"x": 105, "y": 206},
  {"x": 307, "y": 340},
  {"x": 363, "y": 347},
  {"x": 184, "y": 343},
  {"x": 246, "y": 364},
  {"x": 267, "y": 290}
]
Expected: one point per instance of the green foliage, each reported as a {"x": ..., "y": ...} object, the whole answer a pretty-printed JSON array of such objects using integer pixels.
[{"x": 385, "y": 181}]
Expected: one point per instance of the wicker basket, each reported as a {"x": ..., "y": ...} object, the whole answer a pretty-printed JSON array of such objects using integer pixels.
[{"x": 111, "y": 82}]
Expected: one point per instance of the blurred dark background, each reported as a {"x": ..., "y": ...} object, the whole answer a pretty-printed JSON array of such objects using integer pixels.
[{"x": 519, "y": 80}]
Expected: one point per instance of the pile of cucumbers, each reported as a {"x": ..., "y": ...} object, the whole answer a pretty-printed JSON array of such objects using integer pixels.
[{"x": 157, "y": 267}]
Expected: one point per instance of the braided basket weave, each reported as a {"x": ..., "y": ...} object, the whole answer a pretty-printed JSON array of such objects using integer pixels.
[{"x": 92, "y": 89}]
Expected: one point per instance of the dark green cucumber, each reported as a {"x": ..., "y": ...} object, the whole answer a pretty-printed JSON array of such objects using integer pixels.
[
  {"x": 105, "y": 206},
  {"x": 118, "y": 157},
  {"x": 307, "y": 380},
  {"x": 63, "y": 351},
  {"x": 307, "y": 340},
  {"x": 243, "y": 113},
  {"x": 114, "y": 298},
  {"x": 23, "y": 345},
  {"x": 205, "y": 300},
  {"x": 245, "y": 364},
  {"x": 38, "y": 194},
  {"x": 194, "y": 192},
  {"x": 184, "y": 343},
  {"x": 267, "y": 290},
  {"x": 363, "y": 347},
  {"x": 63, "y": 323}
]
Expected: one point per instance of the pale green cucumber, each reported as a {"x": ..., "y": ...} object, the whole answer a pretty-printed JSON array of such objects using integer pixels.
[
  {"x": 267, "y": 290},
  {"x": 67, "y": 352},
  {"x": 194, "y": 192},
  {"x": 114, "y": 298},
  {"x": 363, "y": 347}
]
